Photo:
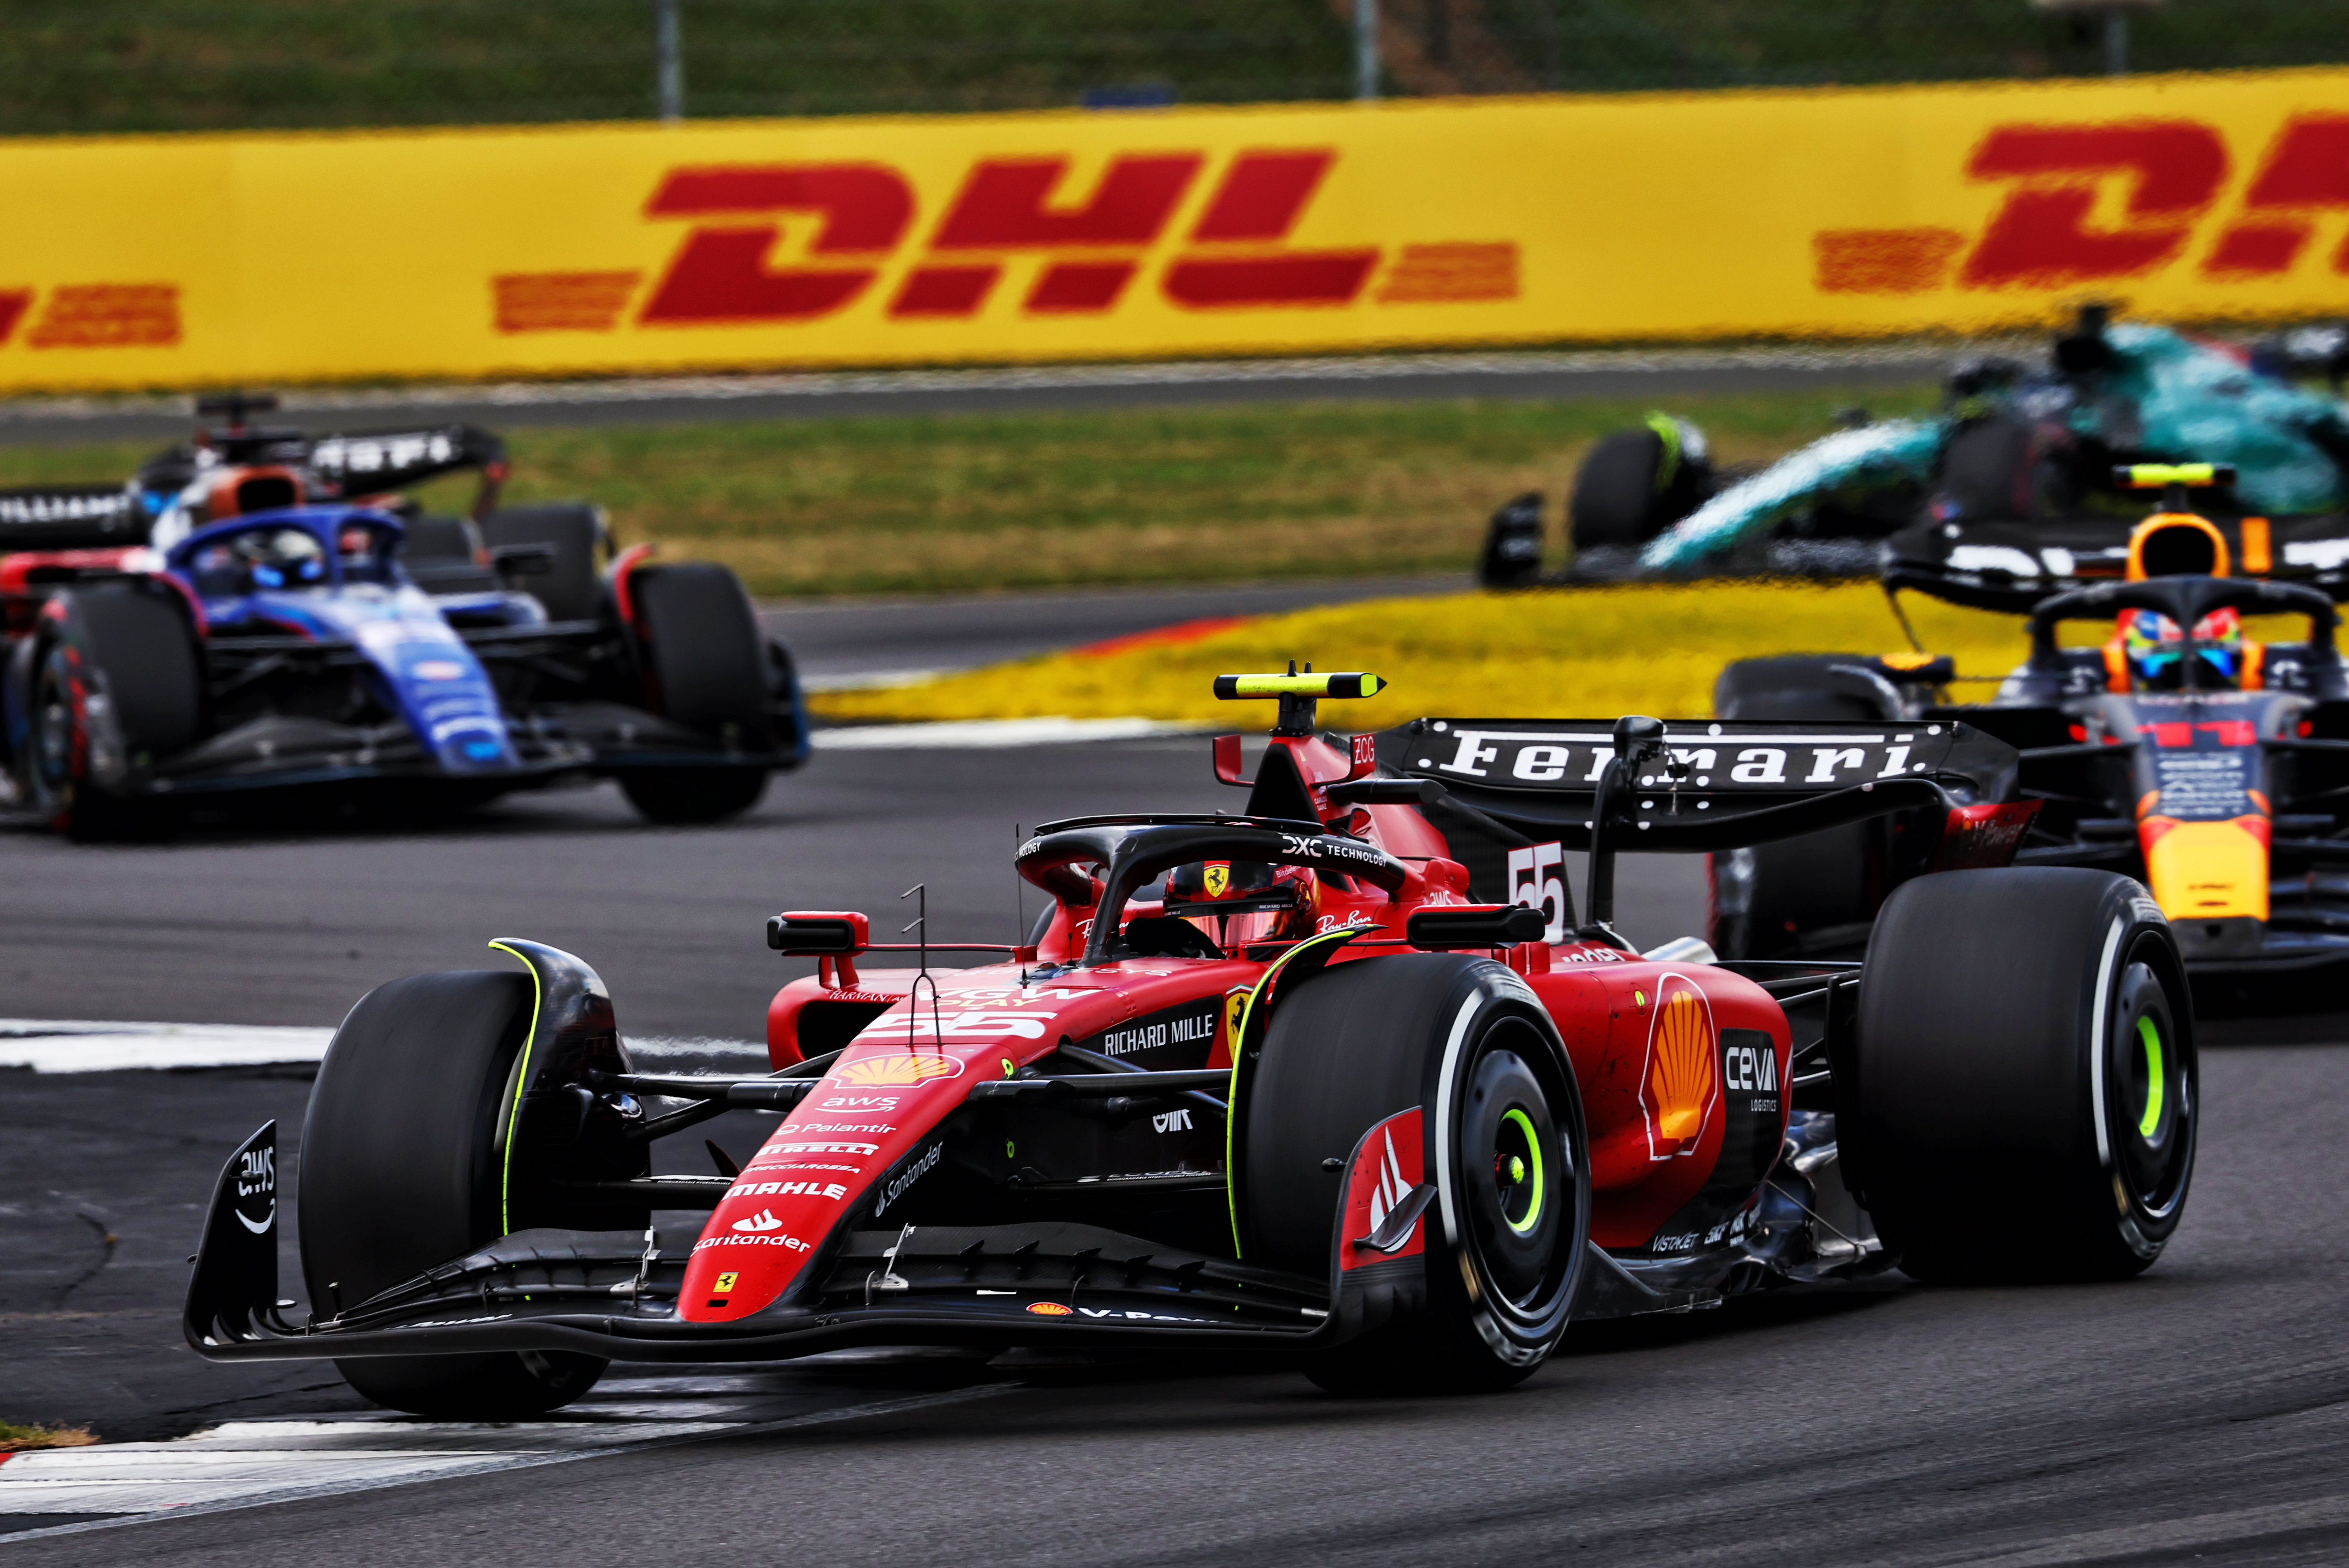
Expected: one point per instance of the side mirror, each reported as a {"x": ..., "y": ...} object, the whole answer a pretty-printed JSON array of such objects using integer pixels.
[
  {"x": 819, "y": 933},
  {"x": 1491, "y": 927}
]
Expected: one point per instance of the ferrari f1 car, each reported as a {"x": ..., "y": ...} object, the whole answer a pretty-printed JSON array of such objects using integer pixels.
[
  {"x": 2211, "y": 765},
  {"x": 2003, "y": 498},
  {"x": 1340, "y": 1076},
  {"x": 260, "y": 608}
]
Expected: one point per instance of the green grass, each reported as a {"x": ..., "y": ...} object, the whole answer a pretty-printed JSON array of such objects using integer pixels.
[
  {"x": 16, "y": 1437},
  {"x": 964, "y": 502}
]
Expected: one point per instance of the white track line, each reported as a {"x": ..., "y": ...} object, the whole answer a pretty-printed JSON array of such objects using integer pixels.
[
  {"x": 249, "y": 1464},
  {"x": 73, "y": 1045},
  {"x": 83, "y": 1045},
  {"x": 968, "y": 734}
]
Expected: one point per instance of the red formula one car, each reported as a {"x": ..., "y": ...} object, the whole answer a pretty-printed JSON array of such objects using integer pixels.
[{"x": 1275, "y": 1079}]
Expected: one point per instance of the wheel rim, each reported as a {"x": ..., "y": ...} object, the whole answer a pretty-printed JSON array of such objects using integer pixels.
[
  {"x": 1518, "y": 1171},
  {"x": 2149, "y": 1095},
  {"x": 1515, "y": 1178},
  {"x": 54, "y": 728}
]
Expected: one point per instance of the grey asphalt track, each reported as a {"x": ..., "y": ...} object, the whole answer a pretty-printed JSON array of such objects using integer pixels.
[
  {"x": 1667, "y": 373},
  {"x": 2200, "y": 1414}
]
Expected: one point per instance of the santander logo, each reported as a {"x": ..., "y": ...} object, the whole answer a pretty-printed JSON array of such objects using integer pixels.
[{"x": 763, "y": 1221}]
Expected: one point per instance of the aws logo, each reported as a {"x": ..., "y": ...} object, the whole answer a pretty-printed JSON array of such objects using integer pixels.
[
  {"x": 856, "y": 231},
  {"x": 2088, "y": 203}
]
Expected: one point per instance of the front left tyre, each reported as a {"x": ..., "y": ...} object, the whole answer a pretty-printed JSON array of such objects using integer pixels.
[
  {"x": 404, "y": 1168},
  {"x": 1463, "y": 1041}
]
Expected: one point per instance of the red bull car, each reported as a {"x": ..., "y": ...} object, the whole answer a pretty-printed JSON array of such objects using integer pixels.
[
  {"x": 2180, "y": 751},
  {"x": 1342, "y": 1075},
  {"x": 262, "y": 609}
]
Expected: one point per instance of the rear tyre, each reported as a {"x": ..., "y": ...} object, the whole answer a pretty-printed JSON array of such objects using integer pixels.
[
  {"x": 121, "y": 690},
  {"x": 403, "y": 1168},
  {"x": 2026, "y": 1096},
  {"x": 1465, "y": 1041},
  {"x": 1810, "y": 897},
  {"x": 572, "y": 587},
  {"x": 708, "y": 664}
]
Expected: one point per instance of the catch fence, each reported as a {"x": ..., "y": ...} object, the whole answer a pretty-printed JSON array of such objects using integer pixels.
[{"x": 114, "y": 66}]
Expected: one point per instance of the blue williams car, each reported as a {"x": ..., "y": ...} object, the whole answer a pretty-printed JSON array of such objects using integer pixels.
[{"x": 260, "y": 609}]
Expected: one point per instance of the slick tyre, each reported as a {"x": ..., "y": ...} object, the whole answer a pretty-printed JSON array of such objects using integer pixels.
[
  {"x": 709, "y": 666},
  {"x": 572, "y": 589},
  {"x": 403, "y": 1168},
  {"x": 1809, "y": 896},
  {"x": 2026, "y": 1097},
  {"x": 1465, "y": 1042},
  {"x": 117, "y": 688},
  {"x": 1632, "y": 487}
]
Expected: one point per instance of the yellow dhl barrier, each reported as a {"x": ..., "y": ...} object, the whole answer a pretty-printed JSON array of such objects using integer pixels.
[{"x": 182, "y": 260}]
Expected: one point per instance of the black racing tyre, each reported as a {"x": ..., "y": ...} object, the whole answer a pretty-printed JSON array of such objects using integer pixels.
[
  {"x": 1615, "y": 490},
  {"x": 683, "y": 797},
  {"x": 1464, "y": 1040},
  {"x": 1632, "y": 487},
  {"x": 706, "y": 655},
  {"x": 709, "y": 664},
  {"x": 1810, "y": 897},
  {"x": 2026, "y": 1096},
  {"x": 403, "y": 1168},
  {"x": 445, "y": 555},
  {"x": 124, "y": 678},
  {"x": 572, "y": 587}
]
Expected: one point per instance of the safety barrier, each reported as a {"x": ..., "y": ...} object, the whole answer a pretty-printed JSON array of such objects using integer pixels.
[{"x": 607, "y": 248}]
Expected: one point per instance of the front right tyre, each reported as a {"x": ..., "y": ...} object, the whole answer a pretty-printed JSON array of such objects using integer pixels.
[{"x": 404, "y": 1168}]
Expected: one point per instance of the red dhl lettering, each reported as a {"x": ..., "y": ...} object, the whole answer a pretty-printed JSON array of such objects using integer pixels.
[
  {"x": 1093, "y": 244},
  {"x": 2168, "y": 176}
]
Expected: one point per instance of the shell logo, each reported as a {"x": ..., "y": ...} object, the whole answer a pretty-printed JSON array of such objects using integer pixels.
[
  {"x": 1049, "y": 1309},
  {"x": 1681, "y": 1079},
  {"x": 899, "y": 1068}
]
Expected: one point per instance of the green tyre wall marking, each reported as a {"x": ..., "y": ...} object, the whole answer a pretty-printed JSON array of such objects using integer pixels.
[
  {"x": 1239, "y": 1040},
  {"x": 521, "y": 1077}
]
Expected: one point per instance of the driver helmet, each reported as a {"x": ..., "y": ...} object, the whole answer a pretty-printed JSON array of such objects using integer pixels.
[
  {"x": 2156, "y": 648},
  {"x": 281, "y": 558},
  {"x": 1258, "y": 902}
]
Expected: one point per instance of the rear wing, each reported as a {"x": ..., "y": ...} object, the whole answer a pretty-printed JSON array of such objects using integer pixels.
[
  {"x": 1715, "y": 784},
  {"x": 365, "y": 463},
  {"x": 70, "y": 517},
  {"x": 2010, "y": 568}
]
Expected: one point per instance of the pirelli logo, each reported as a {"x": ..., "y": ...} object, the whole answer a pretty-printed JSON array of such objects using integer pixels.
[{"x": 1096, "y": 242}]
